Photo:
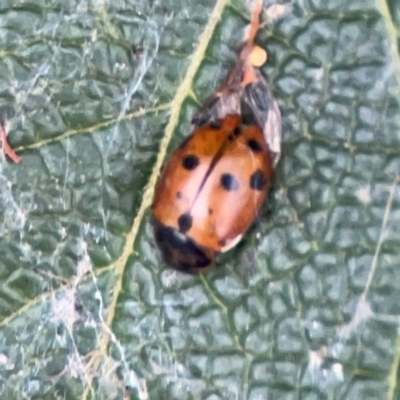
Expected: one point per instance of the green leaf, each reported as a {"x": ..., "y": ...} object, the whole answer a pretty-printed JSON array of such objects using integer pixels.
[{"x": 306, "y": 307}]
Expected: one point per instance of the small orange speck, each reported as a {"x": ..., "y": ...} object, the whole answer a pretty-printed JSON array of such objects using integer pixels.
[
  {"x": 258, "y": 56},
  {"x": 6, "y": 148}
]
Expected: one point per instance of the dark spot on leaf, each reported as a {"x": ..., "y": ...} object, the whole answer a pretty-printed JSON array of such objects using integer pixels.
[
  {"x": 229, "y": 182},
  {"x": 78, "y": 307},
  {"x": 258, "y": 180},
  {"x": 137, "y": 50},
  {"x": 185, "y": 222},
  {"x": 254, "y": 145},
  {"x": 190, "y": 162}
]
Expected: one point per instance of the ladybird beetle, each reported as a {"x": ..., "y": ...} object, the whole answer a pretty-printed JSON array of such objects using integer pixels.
[{"x": 214, "y": 183}]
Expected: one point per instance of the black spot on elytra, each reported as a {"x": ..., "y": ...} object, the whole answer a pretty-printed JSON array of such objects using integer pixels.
[
  {"x": 178, "y": 195},
  {"x": 190, "y": 162},
  {"x": 215, "y": 124},
  {"x": 258, "y": 180},
  {"x": 210, "y": 211},
  {"x": 235, "y": 133},
  {"x": 185, "y": 222},
  {"x": 254, "y": 145},
  {"x": 229, "y": 182}
]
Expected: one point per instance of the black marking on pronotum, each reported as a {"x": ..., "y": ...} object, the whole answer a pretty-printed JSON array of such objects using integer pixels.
[
  {"x": 190, "y": 162},
  {"x": 180, "y": 251},
  {"x": 185, "y": 222},
  {"x": 202, "y": 262},
  {"x": 258, "y": 180},
  {"x": 254, "y": 146},
  {"x": 184, "y": 266},
  {"x": 229, "y": 182},
  {"x": 162, "y": 241}
]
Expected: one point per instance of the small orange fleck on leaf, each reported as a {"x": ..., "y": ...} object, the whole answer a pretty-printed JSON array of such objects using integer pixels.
[{"x": 7, "y": 149}]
